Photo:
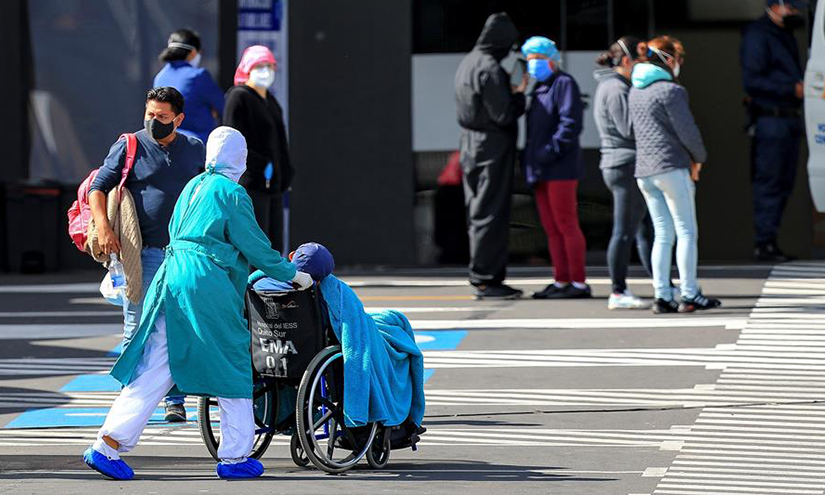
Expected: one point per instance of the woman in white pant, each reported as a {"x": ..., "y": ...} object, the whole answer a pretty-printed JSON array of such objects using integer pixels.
[{"x": 192, "y": 335}]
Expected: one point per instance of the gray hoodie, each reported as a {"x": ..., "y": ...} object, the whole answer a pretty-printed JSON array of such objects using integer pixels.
[
  {"x": 667, "y": 137},
  {"x": 612, "y": 116}
]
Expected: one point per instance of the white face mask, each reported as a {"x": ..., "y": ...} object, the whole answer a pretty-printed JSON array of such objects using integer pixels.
[
  {"x": 262, "y": 77},
  {"x": 677, "y": 69},
  {"x": 196, "y": 60}
]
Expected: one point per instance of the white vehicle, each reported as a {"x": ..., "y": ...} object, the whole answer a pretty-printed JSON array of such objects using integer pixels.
[{"x": 815, "y": 109}]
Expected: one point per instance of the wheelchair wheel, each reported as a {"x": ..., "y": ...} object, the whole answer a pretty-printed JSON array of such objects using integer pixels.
[
  {"x": 378, "y": 454},
  {"x": 264, "y": 405},
  {"x": 299, "y": 457},
  {"x": 328, "y": 443}
]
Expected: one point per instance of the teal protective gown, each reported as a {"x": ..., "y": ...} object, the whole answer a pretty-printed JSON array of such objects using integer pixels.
[{"x": 200, "y": 289}]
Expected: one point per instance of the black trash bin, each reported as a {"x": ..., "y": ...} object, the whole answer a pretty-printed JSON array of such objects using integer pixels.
[{"x": 33, "y": 223}]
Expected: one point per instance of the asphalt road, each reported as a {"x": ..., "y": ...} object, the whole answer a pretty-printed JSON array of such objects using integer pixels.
[{"x": 522, "y": 396}]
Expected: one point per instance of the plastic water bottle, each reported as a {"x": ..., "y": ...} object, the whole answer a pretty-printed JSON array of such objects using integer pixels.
[{"x": 116, "y": 273}]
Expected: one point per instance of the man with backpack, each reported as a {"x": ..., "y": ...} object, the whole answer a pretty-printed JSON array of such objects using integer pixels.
[{"x": 164, "y": 162}]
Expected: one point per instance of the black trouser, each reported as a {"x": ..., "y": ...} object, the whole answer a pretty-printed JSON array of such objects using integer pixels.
[
  {"x": 269, "y": 211},
  {"x": 629, "y": 222},
  {"x": 774, "y": 160},
  {"x": 487, "y": 161}
]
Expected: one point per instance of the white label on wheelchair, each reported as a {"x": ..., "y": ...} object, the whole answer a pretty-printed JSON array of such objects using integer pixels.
[{"x": 277, "y": 346}]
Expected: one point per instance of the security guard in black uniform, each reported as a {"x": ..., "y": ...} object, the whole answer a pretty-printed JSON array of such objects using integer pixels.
[{"x": 772, "y": 77}]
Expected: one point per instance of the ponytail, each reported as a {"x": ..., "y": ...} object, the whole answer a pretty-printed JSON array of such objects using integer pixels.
[{"x": 605, "y": 59}]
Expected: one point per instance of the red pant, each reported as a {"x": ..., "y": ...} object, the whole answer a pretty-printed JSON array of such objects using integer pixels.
[{"x": 558, "y": 210}]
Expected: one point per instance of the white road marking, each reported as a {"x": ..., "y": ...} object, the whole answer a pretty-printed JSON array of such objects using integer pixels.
[{"x": 768, "y": 448}]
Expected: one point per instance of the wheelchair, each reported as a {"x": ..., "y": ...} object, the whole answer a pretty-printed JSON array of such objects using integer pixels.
[{"x": 298, "y": 389}]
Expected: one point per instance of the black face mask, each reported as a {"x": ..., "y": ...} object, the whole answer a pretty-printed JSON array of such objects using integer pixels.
[
  {"x": 157, "y": 129},
  {"x": 792, "y": 21}
]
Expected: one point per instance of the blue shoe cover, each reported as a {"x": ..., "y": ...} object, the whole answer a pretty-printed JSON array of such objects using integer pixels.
[
  {"x": 117, "y": 470},
  {"x": 250, "y": 468}
]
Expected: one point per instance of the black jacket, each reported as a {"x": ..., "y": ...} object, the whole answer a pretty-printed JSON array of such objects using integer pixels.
[
  {"x": 770, "y": 64},
  {"x": 484, "y": 99},
  {"x": 262, "y": 124}
]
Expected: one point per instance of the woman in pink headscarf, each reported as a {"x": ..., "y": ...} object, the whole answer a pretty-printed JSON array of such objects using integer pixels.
[{"x": 254, "y": 111}]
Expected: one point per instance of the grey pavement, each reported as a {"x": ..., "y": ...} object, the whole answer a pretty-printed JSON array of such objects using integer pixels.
[{"x": 524, "y": 396}]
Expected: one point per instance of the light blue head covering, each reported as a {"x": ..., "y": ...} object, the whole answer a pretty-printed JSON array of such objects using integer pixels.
[{"x": 542, "y": 46}]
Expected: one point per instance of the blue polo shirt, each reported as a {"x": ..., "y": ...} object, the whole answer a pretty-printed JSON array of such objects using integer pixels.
[
  {"x": 157, "y": 178},
  {"x": 200, "y": 96}
]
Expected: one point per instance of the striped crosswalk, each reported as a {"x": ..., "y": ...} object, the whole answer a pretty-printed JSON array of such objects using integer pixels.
[
  {"x": 698, "y": 396},
  {"x": 455, "y": 437},
  {"x": 756, "y": 418},
  {"x": 772, "y": 447}
]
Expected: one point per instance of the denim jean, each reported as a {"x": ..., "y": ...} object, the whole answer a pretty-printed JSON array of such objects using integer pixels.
[
  {"x": 151, "y": 258},
  {"x": 629, "y": 224},
  {"x": 670, "y": 201}
]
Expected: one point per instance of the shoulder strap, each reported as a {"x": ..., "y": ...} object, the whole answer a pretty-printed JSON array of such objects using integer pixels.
[{"x": 131, "y": 151}]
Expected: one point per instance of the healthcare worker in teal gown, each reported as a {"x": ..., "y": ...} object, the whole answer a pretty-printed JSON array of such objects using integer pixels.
[{"x": 193, "y": 335}]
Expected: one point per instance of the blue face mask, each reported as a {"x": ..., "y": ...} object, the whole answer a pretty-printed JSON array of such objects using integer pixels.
[{"x": 539, "y": 69}]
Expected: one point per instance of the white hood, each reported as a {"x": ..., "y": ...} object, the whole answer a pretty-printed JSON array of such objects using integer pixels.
[{"x": 226, "y": 152}]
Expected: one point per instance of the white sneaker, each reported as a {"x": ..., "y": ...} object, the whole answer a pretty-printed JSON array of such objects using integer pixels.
[{"x": 626, "y": 300}]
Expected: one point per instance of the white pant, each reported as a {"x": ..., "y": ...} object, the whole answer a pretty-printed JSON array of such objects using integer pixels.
[{"x": 137, "y": 402}]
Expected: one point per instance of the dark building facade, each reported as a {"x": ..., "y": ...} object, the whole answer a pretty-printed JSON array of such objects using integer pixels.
[{"x": 370, "y": 121}]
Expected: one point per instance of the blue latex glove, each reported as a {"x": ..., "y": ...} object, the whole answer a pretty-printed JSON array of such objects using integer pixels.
[
  {"x": 117, "y": 470},
  {"x": 250, "y": 468},
  {"x": 269, "y": 171}
]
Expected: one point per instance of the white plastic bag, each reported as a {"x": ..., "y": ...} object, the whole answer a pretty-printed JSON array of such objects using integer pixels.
[{"x": 109, "y": 293}]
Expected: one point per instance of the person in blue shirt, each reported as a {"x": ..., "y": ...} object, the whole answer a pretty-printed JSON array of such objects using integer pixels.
[
  {"x": 552, "y": 166},
  {"x": 772, "y": 78},
  {"x": 165, "y": 161},
  {"x": 204, "y": 99}
]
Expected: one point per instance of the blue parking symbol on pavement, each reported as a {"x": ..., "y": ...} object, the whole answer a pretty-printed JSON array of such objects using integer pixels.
[
  {"x": 92, "y": 383},
  {"x": 430, "y": 340},
  {"x": 66, "y": 416},
  {"x": 438, "y": 340}
]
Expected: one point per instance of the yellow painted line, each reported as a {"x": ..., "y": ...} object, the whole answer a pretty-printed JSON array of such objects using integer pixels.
[{"x": 417, "y": 298}]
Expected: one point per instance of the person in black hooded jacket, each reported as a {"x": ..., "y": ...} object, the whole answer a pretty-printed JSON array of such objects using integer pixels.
[{"x": 488, "y": 111}]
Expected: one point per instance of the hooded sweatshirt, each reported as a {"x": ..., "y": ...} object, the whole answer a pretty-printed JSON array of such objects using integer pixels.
[
  {"x": 667, "y": 137},
  {"x": 484, "y": 100},
  {"x": 612, "y": 116}
]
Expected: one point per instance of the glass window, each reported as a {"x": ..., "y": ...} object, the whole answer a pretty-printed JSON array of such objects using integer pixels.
[
  {"x": 587, "y": 27},
  {"x": 633, "y": 18},
  {"x": 453, "y": 26}
]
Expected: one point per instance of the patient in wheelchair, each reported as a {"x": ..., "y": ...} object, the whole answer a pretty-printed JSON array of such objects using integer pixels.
[{"x": 383, "y": 366}]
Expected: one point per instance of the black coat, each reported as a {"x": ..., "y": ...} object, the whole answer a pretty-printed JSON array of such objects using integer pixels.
[
  {"x": 488, "y": 110},
  {"x": 770, "y": 64},
  {"x": 262, "y": 124}
]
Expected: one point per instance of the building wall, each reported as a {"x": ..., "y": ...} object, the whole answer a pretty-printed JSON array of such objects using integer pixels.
[{"x": 350, "y": 128}]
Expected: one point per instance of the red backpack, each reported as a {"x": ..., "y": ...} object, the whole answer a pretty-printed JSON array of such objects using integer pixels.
[{"x": 80, "y": 213}]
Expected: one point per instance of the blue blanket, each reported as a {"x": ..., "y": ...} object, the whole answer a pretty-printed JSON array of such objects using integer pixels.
[{"x": 383, "y": 367}]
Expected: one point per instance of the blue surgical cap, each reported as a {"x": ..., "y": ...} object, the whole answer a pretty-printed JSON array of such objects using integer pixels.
[
  {"x": 542, "y": 46},
  {"x": 314, "y": 259}
]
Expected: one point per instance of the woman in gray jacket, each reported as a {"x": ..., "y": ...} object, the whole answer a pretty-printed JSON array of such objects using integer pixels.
[
  {"x": 618, "y": 148},
  {"x": 669, "y": 157}
]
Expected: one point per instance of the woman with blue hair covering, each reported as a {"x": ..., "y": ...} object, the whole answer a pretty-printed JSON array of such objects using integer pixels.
[
  {"x": 185, "y": 340},
  {"x": 553, "y": 166}
]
